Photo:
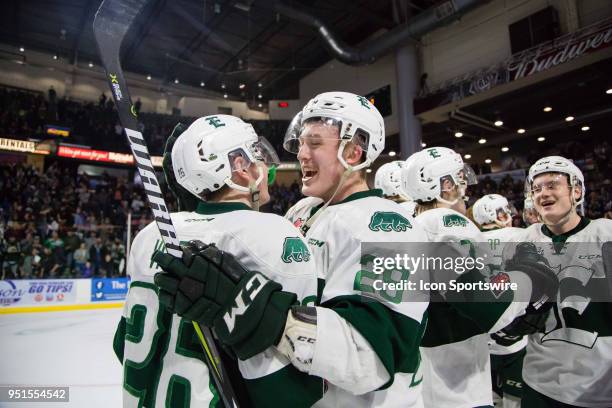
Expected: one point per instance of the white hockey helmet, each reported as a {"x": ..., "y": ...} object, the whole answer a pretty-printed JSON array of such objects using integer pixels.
[
  {"x": 204, "y": 156},
  {"x": 529, "y": 211},
  {"x": 388, "y": 178},
  {"x": 557, "y": 164},
  {"x": 425, "y": 171},
  {"x": 356, "y": 118},
  {"x": 486, "y": 210}
]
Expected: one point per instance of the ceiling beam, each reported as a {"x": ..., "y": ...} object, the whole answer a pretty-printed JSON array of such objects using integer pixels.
[
  {"x": 199, "y": 39},
  {"x": 88, "y": 10},
  {"x": 246, "y": 47},
  {"x": 144, "y": 27}
]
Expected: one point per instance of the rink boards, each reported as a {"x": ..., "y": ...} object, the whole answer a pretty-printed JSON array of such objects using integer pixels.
[{"x": 65, "y": 341}]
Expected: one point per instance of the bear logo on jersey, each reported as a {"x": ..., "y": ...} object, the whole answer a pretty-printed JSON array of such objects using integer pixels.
[
  {"x": 294, "y": 249},
  {"x": 388, "y": 221},
  {"x": 454, "y": 220}
]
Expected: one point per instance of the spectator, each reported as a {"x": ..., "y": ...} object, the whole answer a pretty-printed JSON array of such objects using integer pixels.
[
  {"x": 10, "y": 263},
  {"x": 81, "y": 256}
]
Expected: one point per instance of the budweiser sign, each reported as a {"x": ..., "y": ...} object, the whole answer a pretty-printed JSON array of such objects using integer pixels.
[
  {"x": 521, "y": 65},
  {"x": 546, "y": 57}
]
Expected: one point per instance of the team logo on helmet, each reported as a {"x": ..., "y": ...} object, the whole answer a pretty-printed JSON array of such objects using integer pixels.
[
  {"x": 388, "y": 221},
  {"x": 294, "y": 249}
]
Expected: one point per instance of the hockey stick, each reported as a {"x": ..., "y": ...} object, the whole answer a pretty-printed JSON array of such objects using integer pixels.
[{"x": 111, "y": 23}]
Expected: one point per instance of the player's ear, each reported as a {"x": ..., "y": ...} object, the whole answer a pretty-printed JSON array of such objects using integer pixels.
[
  {"x": 577, "y": 192},
  {"x": 353, "y": 154},
  {"x": 241, "y": 168}
]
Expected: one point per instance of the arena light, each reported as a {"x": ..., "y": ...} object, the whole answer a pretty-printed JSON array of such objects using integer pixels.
[
  {"x": 260, "y": 105},
  {"x": 541, "y": 139},
  {"x": 260, "y": 96},
  {"x": 423, "y": 144},
  {"x": 569, "y": 118},
  {"x": 241, "y": 86},
  {"x": 202, "y": 84},
  {"x": 148, "y": 77},
  {"x": 90, "y": 65},
  {"x": 488, "y": 161},
  {"x": 458, "y": 134},
  {"x": 467, "y": 156},
  {"x": 499, "y": 123},
  {"x": 176, "y": 80},
  {"x": 55, "y": 57},
  {"x": 609, "y": 91},
  {"x": 259, "y": 85},
  {"x": 548, "y": 109},
  {"x": 520, "y": 131},
  {"x": 225, "y": 96},
  {"x": 585, "y": 128},
  {"x": 482, "y": 141},
  {"x": 21, "y": 49},
  {"x": 392, "y": 153},
  {"x": 222, "y": 86},
  {"x": 505, "y": 149}
]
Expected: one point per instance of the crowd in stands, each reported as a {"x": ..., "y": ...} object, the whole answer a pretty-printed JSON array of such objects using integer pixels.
[
  {"x": 25, "y": 113},
  {"x": 60, "y": 224}
]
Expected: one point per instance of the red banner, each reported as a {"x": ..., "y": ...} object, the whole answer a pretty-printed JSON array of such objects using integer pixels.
[{"x": 102, "y": 155}]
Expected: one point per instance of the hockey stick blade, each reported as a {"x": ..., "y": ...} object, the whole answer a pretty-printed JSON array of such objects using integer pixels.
[{"x": 111, "y": 23}]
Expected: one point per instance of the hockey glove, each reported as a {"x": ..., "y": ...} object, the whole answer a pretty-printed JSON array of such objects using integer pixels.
[
  {"x": 247, "y": 310},
  {"x": 186, "y": 201},
  {"x": 544, "y": 288}
]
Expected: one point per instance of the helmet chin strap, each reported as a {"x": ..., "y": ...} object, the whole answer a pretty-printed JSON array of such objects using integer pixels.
[
  {"x": 348, "y": 169},
  {"x": 252, "y": 189},
  {"x": 503, "y": 224},
  {"x": 460, "y": 190}
]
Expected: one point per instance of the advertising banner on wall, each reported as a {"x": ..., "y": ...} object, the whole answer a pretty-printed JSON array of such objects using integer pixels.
[
  {"x": 109, "y": 289},
  {"x": 36, "y": 292}
]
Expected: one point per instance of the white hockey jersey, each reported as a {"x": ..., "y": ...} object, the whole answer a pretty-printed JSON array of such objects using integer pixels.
[
  {"x": 162, "y": 358},
  {"x": 572, "y": 361},
  {"x": 496, "y": 239},
  {"x": 456, "y": 365},
  {"x": 363, "y": 343}
]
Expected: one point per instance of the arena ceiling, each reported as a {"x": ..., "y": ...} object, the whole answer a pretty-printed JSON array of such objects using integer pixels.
[
  {"x": 210, "y": 42},
  {"x": 579, "y": 94}
]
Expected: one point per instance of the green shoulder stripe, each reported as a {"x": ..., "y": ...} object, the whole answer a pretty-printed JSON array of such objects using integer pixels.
[
  {"x": 394, "y": 337},
  {"x": 287, "y": 387}
]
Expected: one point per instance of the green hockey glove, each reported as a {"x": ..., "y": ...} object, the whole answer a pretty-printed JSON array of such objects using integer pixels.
[
  {"x": 186, "y": 200},
  {"x": 544, "y": 288},
  {"x": 246, "y": 309}
]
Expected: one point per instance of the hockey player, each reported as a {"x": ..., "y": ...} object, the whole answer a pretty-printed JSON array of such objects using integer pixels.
[
  {"x": 530, "y": 215},
  {"x": 365, "y": 348},
  {"x": 494, "y": 215},
  {"x": 456, "y": 367},
  {"x": 220, "y": 159},
  {"x": 388, "y": 178},
  {"x": 568, "y": 363}
]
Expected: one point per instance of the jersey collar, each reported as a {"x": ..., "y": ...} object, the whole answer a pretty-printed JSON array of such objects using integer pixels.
[
  {"x": 375, "y": 192},
  {"x": 209, "y": 208},
  {"x": 563, "y": 237}
]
